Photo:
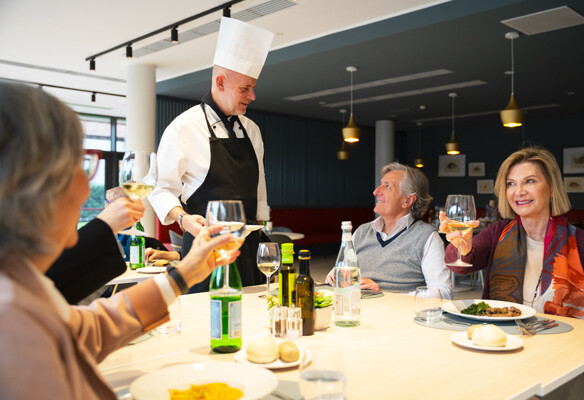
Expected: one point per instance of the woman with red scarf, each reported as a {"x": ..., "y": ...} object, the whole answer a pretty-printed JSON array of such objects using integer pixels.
[{"x": 533, "y": 256}]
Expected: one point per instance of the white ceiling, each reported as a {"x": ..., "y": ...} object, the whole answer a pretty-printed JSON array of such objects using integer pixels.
[{"x": 47, "y": 41}]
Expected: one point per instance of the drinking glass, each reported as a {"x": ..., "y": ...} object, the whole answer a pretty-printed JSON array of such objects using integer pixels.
[
  {"x": 231, "y": 216},
  {"x": 323, "y": 376},
  {"x": 428, "y": 304},
  {"x": 268, "y": 259},
  {"x": 171, "y": 327},
  {"x": 460, "y": 208}
]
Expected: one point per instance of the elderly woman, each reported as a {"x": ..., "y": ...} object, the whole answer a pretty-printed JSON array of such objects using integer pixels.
[
  {"x": 532, "y": 257},
  {"x": 50, "y": 349}
]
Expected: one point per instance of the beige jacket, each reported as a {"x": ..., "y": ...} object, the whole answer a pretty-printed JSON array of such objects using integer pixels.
[{"x": 43, "y": 357}]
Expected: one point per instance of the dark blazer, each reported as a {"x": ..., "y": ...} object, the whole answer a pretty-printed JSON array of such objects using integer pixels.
[{"x": 95, "y": 260}]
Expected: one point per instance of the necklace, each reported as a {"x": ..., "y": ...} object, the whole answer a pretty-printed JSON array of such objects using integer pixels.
[{"x": 536, "y": 288}]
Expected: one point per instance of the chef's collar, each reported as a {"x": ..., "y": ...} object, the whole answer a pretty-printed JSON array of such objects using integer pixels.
[{"x": 228, "y": 121}]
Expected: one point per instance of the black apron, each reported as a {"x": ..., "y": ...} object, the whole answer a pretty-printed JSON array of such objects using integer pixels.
[{"x": 233, "y": 175}]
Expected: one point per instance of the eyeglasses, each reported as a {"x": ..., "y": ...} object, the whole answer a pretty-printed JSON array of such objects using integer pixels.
[{"x": 90, "y": 162}]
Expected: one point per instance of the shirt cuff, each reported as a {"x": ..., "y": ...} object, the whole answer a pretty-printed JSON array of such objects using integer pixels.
[{"x": 165, "y": 288}]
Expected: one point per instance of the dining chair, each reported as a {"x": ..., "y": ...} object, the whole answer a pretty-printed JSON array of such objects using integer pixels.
[{"x": 176, "y": 240}]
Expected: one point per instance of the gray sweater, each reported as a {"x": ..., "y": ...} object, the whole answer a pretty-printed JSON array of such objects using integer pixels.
[{"x": 397, "y": 266}]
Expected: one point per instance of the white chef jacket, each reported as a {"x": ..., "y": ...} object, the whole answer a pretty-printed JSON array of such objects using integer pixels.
[{"x": 184, "y": 158}]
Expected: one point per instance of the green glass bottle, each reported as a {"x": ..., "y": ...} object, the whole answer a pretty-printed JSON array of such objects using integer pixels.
[
  {"x": 137, "y": 248},
  {"x": 305, "y": 293},
  {"x": 287, "y": 276},
  {"x": 225, "y": 293}
]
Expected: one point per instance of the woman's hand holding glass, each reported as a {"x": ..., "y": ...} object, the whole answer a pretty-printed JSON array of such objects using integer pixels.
[
  {"x": 462, "y": 239},
  {"x": 229, "y": 214},
  {"x": 457, "y": 222}
]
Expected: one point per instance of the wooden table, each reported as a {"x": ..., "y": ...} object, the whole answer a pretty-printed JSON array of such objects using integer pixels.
[{"x": 388, "y": 356}]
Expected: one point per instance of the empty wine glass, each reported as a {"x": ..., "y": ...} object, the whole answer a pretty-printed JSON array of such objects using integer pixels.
[
  {"x": 268, "y": 259},
  {"x": 460, "y": 209}
]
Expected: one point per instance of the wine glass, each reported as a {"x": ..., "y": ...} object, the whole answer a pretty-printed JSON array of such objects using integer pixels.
[
  {"x": 460, "y": 208},
  {"x": 138, "y": 175},
  {"x": 231, "y": 216},
  {"x": 268, "y": 259}
]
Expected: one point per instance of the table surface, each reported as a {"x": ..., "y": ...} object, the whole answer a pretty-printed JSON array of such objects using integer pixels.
[{"x": 387, "y": 354}]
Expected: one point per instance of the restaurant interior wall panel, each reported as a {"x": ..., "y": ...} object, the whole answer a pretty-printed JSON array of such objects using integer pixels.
[{"x": 491, "y": 143}]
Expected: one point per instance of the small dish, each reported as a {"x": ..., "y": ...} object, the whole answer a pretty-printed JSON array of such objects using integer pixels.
[
  {"x": 241, "y": 357},
  {"x": 460, "y": 338}
]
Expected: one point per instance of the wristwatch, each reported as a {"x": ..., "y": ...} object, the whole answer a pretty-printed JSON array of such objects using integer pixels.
[{"x": 179, "y": 220}]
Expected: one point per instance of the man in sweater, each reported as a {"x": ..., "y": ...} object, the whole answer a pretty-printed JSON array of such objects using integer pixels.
[{"x": 397, "y": 251}]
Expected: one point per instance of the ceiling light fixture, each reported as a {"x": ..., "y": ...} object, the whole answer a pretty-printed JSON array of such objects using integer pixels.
[
  {"x": 174, "y": 35},
  {"x": 512, "y": 115},
  {"x": 343, "y": 154},
  {"x": 129, "y": 51},
  {"x": 351, "y": 132},
  {"x": 92, "y": 64},
  {"x": 452, "y": 146},
  {"x": 93, "y": 97},
  {"x": 419, "y": 161}
]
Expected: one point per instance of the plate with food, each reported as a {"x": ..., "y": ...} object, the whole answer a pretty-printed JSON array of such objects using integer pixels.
[
  {"x": 268, "y": 353},
  {"x": 228, "y": 380},
  {"x": 488, "y": 310},
  {"x": 486, "y": 337}
]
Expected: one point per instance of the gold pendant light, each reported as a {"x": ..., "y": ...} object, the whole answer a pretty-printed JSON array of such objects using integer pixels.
[
  {"x": 419, "y": 161},
  {"x": 351, "y": 132},
  {"x": 343, "y": 154},
  {"x": 452, "y": 146},
  {"x": 512, "y": 115}
]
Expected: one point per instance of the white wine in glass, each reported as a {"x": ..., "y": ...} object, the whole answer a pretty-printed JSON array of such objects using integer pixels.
[
  {"x": 268, "y": 259},
  {"x": 138, "y": 173},
  {"x": 460, "y": 209},
  {"x": 231, "y": 216}
]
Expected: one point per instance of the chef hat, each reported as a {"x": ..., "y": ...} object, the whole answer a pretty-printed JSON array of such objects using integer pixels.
[{"x": 242, "y": 47}]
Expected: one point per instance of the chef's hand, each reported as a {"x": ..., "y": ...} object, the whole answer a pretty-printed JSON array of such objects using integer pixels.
[
  {"x": 464, "y": 240},
  {"x": 193, "y": 224},
  {"x": 122, "y": 213},
  {"x": 367, "y": 283}
]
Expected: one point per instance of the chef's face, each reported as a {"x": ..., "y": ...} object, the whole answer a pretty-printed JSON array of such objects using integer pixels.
[
  {"x": 390, "y": 202},
  {"x": 238, "y": 92},
  {"x": 528, "y": 191}
]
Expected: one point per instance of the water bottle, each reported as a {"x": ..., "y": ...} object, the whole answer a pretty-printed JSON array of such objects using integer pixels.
[
  {"x": 137, "y": 248},
  {"x": 347, "y": 277},
  {"x": 225, "y": 293}
]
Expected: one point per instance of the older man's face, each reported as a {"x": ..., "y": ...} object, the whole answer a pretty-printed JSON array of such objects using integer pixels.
[
  {"x": 389, "y": 200},
  {"x": 238, "y": 90}
]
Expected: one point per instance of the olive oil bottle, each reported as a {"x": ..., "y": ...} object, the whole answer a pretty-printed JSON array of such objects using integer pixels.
[
  {"x": 287, "y": 276},
  {"x": 305, "y": 293}
]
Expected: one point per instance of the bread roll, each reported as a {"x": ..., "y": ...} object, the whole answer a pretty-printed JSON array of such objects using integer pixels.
[
  {"x": 289, "y": 351},
  {"x": 263, "y": 350},
  {"x": 471, "y": 330},
  {"x": 490, "y": 336}
]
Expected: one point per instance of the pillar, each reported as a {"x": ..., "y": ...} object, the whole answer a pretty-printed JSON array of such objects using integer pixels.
[{"x": 384, "y": 146}]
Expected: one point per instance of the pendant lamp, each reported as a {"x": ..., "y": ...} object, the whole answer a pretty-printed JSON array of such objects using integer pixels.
[
  {"x": 351, "y": 132},
  {"x": 419, "y": 161},
  {"x": 512, "y": 116},
  {"x": 343, "y": 154},
  {"x": 452, "y": 146}
]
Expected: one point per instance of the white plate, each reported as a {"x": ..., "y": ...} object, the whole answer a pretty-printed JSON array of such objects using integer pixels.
[
  {"x": 460, "y": 338},
  {"x": 255, "y": 382},
  {"x": 151, "y": 270},
  {"x": 455, "y": 307},
  {"x": 241, "y": 357}
]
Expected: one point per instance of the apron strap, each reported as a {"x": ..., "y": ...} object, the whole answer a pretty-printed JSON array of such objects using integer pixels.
[{"x": 211, "y": 132}]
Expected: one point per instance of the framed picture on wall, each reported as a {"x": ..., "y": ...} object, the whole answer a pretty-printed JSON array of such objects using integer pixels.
[
  {"x": 451, "y": 165},
  {"x": 574, "y": 184},
  {"x": 574, "y": 160},
  {"x": 485, "y": 186},
  {"x": 476, "y": 169}
]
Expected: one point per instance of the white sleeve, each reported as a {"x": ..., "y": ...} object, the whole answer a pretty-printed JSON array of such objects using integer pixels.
[{"x": 433, "y": 267}]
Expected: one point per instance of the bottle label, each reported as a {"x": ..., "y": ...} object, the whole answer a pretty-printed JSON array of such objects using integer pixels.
[
  {"x": 339, "y": 303},
  {"x": 235, "y": 319},
  {"x": 135, "y": 254},
  {"x": 216, "y": 320},
  {"x": 347, "y": 236}
]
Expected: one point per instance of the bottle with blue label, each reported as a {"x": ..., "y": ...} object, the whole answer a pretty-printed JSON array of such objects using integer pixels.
[{"x": 225, "y": 292}]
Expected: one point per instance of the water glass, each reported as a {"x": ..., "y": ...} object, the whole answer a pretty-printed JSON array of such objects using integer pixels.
[
  {"x": 173, "y": 326},
  {"x": 428, "y": 304},
  {"x": 321, "y": 374}
]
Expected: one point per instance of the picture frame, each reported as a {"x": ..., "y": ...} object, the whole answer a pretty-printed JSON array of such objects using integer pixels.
[
  {"x": 574, "y": 184},
  {"x": 451, "y": 165},
  {"x": 574, "y": 160},
  {"x": 476, "y": 169},
  {"x": 485, "y": 186}
]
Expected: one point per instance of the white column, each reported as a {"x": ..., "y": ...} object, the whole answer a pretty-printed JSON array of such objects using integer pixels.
[
  {"x": 384, "y": 146},
  {"x": 141, "y": 121}
]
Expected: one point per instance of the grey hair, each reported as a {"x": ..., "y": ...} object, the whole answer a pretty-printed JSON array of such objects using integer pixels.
[
  {"x": 41, "y": 144},
  {"x": 415, "y": 183}
]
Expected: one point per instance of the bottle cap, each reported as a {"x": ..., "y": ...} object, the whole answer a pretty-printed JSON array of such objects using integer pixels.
[
  {"x": 346, "y": 224},
  {"x": 304, "y": 254},
  {"x": 287, "y": 247}
]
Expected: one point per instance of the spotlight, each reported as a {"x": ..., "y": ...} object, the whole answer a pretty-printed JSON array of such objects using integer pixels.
[
  {"x": 129, "y": 51},
  {"x": 227, "y": 12},
  {"x": 92, "y": 64},
  {"x": 174, "y": 35},
  {"x": 93, "y": 97}
]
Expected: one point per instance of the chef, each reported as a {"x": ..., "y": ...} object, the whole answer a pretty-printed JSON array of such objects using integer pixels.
[{"x": 213, "y": 152}]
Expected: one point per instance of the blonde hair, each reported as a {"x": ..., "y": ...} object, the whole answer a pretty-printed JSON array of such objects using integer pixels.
[
  {"x": 413, "y": 183},
  {"x": 560, "y": 204},
  {"x": 41, "y": 143}
]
